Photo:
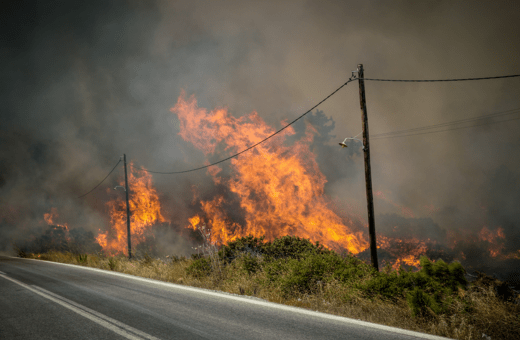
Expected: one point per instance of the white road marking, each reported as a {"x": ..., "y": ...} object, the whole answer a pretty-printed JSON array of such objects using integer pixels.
[
  {"x": 101, "y": 319},
  {"x": 254, "y": 301}
]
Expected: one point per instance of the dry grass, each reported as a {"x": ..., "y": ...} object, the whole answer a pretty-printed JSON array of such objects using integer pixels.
[{"x": 478, "y": 310}]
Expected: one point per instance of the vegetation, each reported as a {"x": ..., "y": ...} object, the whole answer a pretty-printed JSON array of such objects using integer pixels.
[{"x": 436, "y": 299}]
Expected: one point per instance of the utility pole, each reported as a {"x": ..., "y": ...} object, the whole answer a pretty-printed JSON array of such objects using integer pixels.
[
  {"x": 368, "y": 175},
  {"x": 127, "y": 213}
]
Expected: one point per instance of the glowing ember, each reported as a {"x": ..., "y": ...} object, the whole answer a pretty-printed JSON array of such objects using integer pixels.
[
  {"x": 279, "y": 188},
  {"x": 495, "y": 245},
  {"x": 513, "y": 255},
  {"x": 145, "y": 211},
  {"x": 406, "y": 252}
]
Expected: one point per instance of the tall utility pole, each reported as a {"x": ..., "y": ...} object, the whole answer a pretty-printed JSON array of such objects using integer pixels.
[
  {"x": 127, "y": 213},
  {"x": 368, "y": 174}
]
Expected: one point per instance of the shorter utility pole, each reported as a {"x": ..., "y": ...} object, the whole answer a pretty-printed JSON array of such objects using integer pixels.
[
  {"x": 368, "y": 174},
  {"x": 127, "y": 213}
]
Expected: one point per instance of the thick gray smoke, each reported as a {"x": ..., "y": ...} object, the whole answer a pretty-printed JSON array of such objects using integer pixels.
[{"x": 85, "y": 82}]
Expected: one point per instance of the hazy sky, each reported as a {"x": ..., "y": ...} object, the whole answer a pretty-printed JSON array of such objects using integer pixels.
[{"x": 86, "y": 81}]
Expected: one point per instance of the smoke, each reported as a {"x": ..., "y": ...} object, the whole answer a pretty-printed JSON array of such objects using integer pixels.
[{"x": 84, "y": 83}]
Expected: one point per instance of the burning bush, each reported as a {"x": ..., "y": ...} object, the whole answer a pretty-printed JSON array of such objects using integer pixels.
[{"x": 58, "y": 238}]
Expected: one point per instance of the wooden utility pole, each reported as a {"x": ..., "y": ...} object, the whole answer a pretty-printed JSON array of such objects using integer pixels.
[
  {"x": 127, "y": 213},
  {"x": 368, "y": 174}
]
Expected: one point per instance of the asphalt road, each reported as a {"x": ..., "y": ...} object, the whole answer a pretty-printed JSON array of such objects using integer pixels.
[{"x": 46, "y": 300}]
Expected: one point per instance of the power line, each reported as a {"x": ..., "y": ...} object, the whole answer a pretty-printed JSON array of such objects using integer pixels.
[
  {"x": 263, "y": 140},
  {"x": 102, "y": 180},
  {"x": 447, "y": 124},
  {"x": 438, "y": 80},
  {"x": 455, "y": 128}
]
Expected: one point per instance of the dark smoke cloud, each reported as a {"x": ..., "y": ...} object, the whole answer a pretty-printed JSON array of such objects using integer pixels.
[{"x": 85, "y": 82}]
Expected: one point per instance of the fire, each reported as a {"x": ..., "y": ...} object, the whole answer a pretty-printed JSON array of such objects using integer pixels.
[
  {"x": 59, "y": 232},
  {"x": 495, "y": 246},
  {"x": 102, "y": 240},
  {"x": 513, "y": 255},
  {"x": 195, "y": 220},
  {"x": 280, "y": 189},
  {"x": 51, "y": 217},
  {"x": 405, "y": 251},
  {"x": 409, "y": 260},
  {"x": 145, "y": 211},
  {"x": 275, "y": 190},
  {"x": 487, "y": 235}
]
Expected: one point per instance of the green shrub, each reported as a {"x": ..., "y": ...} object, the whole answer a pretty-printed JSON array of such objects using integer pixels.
[
  {"x": 390, "y": 286},
  {"x": 292, "y": 247},
  {"x": 435, "y": 280},
  {"x": 112, "y": 263},
  {"x": 419, "y": 303},
  {"x": 244, "y": 245},
  {"x": 352, "y": 270},
  {"x": 303, "y": 275},
  {"x": 199, "y": 268},
  {"x": 82, "y": 258},
  {"x": 286, "y": 247},
  {"x": 451, "y": 276},
  {"x": 250, "y": 263}
]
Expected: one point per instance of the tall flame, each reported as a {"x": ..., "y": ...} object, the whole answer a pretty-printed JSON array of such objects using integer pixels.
[
  {"x": 280, "y": 188},
  {"x": 145, "y": 211}
]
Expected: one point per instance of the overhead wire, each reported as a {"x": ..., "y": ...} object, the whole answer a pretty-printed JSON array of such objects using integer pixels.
[
  {"x": 102, "y": 180},
  {"x": 263, "y": 140},
  {"x": 424, "y": 129},
  {"x": 440, "y": 80},
  {"x": 455, "y": 128}
]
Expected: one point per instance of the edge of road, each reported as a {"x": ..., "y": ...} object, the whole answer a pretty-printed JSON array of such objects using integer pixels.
[{"x": 251, "y": 300}]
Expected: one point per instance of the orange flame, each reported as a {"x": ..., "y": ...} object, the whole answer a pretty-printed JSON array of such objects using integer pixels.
[
  {"x": 280, "y": 188},
  {"x": 406, "y": 251},
  {"x": 102, "y": 240},
  {"x": 495, "y": 246},
  {"x": 51, "y": 217},
  {"x": 145, "y": 211}
]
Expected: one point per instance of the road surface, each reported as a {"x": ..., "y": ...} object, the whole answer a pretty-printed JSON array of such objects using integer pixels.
[{"x": 46, "y": 300}]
